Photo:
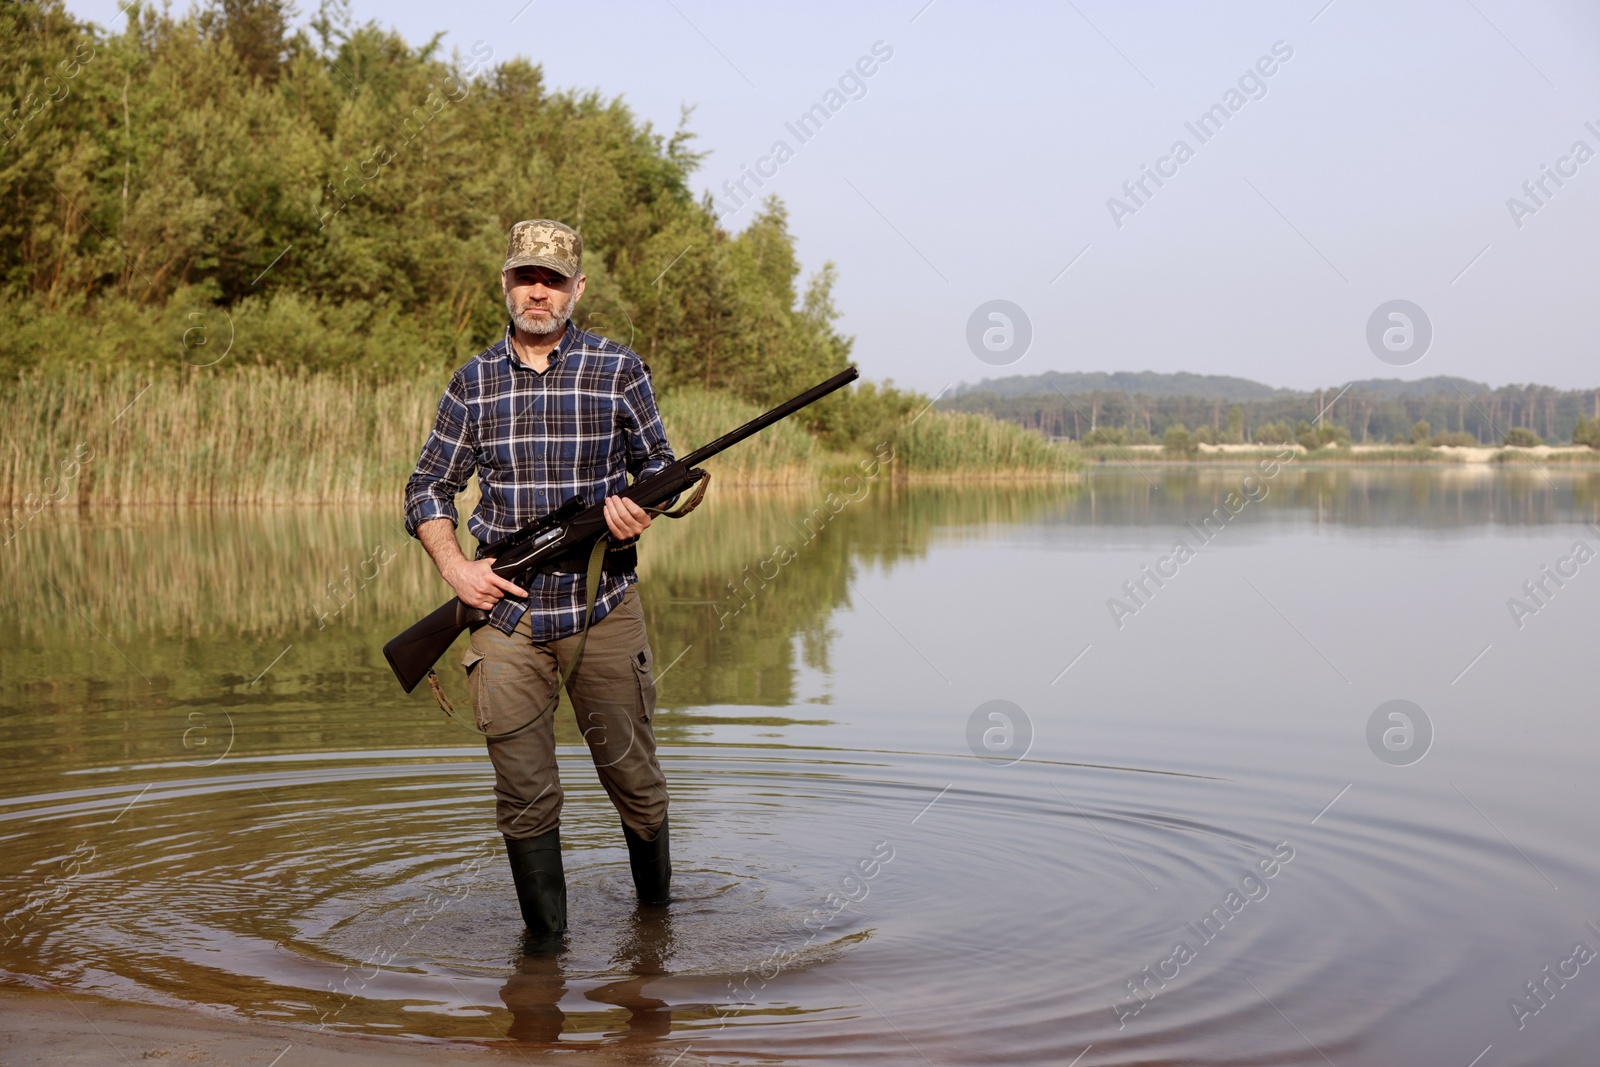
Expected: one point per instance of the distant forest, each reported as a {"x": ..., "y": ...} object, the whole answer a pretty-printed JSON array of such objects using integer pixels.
[
  {"x": 1148, "y": 383},
  {"x": 1369, "y": 412}
]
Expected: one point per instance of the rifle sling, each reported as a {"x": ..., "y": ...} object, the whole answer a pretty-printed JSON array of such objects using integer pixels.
[
  {"x": 689, "y": 505},
  {"x": 619, "y": 559}
]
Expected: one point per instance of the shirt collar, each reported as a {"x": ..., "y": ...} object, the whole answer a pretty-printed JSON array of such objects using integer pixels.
[{"x": 570, "y": 337}]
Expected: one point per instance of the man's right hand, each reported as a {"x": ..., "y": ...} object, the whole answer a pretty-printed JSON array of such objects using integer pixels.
[{"x": 478, "y": 586}]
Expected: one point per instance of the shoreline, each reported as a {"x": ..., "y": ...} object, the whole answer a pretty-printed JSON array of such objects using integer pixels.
[
  {"x": 1478, "y": 460},
  {"x": 74, "y": 1030},
  {"x": 1546, "y": 457}
]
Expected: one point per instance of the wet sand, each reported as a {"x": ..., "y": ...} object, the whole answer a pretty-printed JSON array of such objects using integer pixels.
[{"x": 57, "y": 1030}]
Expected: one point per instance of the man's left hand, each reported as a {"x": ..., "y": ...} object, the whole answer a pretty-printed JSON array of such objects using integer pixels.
[{"x": 625, "y": 519}]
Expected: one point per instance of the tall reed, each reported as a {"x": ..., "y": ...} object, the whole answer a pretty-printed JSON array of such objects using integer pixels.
[
  {"x": 259, "y": 436},
  {"x": 955, "y": 444},
  {"x": 782, "y": 454},
  {"x": 249, "y": 436}
]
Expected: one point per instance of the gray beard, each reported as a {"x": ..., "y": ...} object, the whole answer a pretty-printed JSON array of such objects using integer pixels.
[{"x": 528, "y": 324}]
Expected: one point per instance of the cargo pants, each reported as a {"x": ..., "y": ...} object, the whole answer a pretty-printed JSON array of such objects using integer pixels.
[{"x": 613, "y": 694}]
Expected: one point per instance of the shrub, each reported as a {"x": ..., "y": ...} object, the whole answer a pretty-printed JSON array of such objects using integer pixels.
[
  {"x": 1312, "y": 438},
  {"x": 1587, "y": 432},
  {"x": 856, "y": 419},
  {"x": 1522, "y": 437},
  {"x": 1178, "y": 441},
  {"x": 1274, "y": 433},
  {"x": 1454, "y": 439}
]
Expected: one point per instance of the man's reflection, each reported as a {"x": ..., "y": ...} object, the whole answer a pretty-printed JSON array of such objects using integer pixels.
[
  {"x": 533, "y": 993},
  {"x": 643, "y": 953}
]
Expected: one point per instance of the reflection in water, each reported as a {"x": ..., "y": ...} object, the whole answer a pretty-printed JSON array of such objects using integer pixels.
[
  {"x": 533, "y": 996},
  {"x": 643, "y": 958},
  {"x": 180, "y": 586},
  {"x": 216, "y": 795},
  {"x": 1416, "y": 497},
  {"x": 533, "y": 993}
]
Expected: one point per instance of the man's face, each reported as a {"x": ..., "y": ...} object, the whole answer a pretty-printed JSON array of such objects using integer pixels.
[{"x": 540, "y": 300}]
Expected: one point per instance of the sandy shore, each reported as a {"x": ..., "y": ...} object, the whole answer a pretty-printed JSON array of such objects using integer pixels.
[
  {"x": 1385, "y": 453},
  {"x": 57, "y": 1030}
]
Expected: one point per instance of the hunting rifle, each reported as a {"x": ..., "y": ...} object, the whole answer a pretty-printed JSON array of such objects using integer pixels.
[{"x": 571, "y": 531}]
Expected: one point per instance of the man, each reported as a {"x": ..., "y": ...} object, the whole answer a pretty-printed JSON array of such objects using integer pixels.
[{"x": 546, "y": 413}]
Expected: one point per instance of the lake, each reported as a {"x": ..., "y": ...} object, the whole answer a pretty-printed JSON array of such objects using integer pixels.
[{"x": 960, "y": 774}]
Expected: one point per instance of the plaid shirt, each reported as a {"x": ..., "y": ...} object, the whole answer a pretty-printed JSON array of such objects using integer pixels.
[{"x": 535, "y": 440}]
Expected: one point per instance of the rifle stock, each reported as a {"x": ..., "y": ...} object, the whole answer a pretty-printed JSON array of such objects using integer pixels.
[
  {"x": 413, "y": 653},
  {"x": 568, "y": 531}
]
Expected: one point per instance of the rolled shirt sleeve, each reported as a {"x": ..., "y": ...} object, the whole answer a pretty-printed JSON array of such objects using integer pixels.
[
  {"x": 644, "y": 437},
  {"x": 447, "y": 462}
]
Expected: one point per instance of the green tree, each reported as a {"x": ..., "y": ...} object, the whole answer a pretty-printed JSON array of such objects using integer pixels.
[
  {"x": 1106, "y": 435},
  {"x": 256, "y": 30},
  {"x": 1321, "y": 435},
  {"x": 1178, "y": 441},
  {"x": 341, "y": 199},
  {"x": 1274, "y": 433}
]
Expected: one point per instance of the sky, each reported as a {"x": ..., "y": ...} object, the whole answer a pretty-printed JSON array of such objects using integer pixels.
[{"x": 984, "y": 158}]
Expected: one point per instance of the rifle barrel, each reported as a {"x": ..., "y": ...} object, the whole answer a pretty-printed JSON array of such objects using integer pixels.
[{"x": 761, "y": 422}]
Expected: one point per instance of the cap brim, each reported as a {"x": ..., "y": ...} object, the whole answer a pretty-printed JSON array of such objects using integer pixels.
[{"x": 538, "y": 261}]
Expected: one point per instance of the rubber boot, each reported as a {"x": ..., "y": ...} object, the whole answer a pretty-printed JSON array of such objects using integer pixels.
[
  {"x": 651, "y": 863},
  {"x": 541, "y": 883}
]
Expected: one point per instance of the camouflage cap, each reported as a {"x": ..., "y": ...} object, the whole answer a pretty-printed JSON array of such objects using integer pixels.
[{"x": 545, "y": 243}]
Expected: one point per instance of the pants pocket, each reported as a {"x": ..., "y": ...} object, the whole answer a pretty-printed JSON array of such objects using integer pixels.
[
  {"x": 472, "y": 661},
  {"x": 643, "y": 672}
]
